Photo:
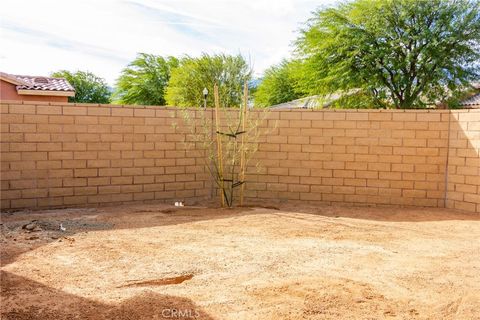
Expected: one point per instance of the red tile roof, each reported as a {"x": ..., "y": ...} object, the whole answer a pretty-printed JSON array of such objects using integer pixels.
[
  {"x": 45, "y": 83},
  {"x": 38, "y": 83}
]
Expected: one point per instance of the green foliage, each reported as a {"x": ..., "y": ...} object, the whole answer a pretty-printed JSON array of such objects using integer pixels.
[
  {"x": 88, "y": 87},
  {"x": 194, "y": 74},
  {"x": 144, "y": 80},
  {"x": 398, "y": 53},
  {"x": 278, "y": 85},
  {"x": 239, "y": 132}
]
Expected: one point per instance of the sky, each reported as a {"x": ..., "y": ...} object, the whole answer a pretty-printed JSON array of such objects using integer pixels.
[{"x": 103, "y": 36}]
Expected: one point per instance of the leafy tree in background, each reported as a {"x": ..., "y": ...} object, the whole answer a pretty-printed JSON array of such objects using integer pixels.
[
  {"x": 88, "y": 87},
  {"x": 400, "y": 53},
  {"x": 144, "y": 80},
  {"x": 194, "y": 74},
  {"x": 278, "y": 84}
]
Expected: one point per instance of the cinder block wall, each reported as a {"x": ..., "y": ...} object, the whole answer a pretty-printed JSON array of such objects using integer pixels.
[
  {"x": 464, "y": 161},
  {"x": 69, "y": 155},
  {"x": 79, "y": 155},
  {"x": 356, "y": 157}
]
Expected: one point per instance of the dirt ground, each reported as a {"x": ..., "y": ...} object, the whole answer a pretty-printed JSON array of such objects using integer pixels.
[{"x": 159, "y": 262}]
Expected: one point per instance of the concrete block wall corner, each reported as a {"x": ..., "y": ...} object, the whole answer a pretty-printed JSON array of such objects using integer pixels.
[{"x": 59, "y": 154}]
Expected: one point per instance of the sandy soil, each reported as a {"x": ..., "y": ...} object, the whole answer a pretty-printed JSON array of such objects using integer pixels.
[{"x": 158, "y": 262}]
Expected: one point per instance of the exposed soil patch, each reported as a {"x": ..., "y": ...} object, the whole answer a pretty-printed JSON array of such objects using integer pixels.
[
  {"x": 164, "y": 262},
  {"x": 260, "y": 206},
  {"x": 159, "y": 282},
  {"x": 181, "y": 209}
]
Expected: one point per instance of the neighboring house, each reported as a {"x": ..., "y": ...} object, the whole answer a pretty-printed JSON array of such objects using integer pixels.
[
  {"x": 30, "y": 88},
  {"x": 318, "y": 102},
  {"x": 471, "y": 103},
  {"x": 302, "y": 103},
  {"x": 313, "y": 102}
]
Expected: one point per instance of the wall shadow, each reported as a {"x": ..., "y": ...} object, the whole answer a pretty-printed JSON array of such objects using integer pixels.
[
  {"x": 26, "y": 299},
  {"x": 384, "y": 214},
  {"x": 17, "y": 240},
  {"x": 463, "y": 172}
]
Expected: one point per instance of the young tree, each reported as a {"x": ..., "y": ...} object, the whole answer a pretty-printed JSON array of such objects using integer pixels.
[
  {"x": 144, "y": 80},
  {"x": 401, "y": 53},
  {"x": 194, "y": 74},
  {"x": 88, "y": 87},
  {"x": 279, "y": 84},
  {"x": 229, "y": 138}
]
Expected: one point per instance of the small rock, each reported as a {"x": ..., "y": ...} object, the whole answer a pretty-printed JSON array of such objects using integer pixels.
[
  {"x": 36, "y": 229},
  {"x": 29, "y": 226},
  {"x": 32, "y": 238}
]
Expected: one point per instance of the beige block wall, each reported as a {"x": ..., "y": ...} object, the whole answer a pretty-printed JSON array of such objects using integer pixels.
[
  {"x": 464, "y": 161},
  {"x": 358, "y": 157},
  {"x": 70, "y": 155},
  {"x": 75, "y": 155}
]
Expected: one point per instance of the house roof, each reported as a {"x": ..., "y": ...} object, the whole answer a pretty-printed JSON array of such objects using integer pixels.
[
  {"x": 302, "y": 103},
  {"x": 311, "y": 102},
  {"x": 39, "y": 85},
  {"x": 472, "y": 102}
]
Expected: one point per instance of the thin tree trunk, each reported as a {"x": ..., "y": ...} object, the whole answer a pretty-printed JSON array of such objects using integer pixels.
[
  {"x": 243, "y": 151},
  {"x": 219, "y": 145}
]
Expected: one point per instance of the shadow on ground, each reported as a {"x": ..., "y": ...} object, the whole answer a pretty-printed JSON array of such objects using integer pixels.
[
  {"x": 16, "y": 239},
  {"x": 385, "y": 214},
  {"x": 28, "y": 299}
]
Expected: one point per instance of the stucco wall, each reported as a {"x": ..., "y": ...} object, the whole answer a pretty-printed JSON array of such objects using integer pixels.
[
  {"x": 8, "y": 91},
  {"x": 70, "y": 155}
]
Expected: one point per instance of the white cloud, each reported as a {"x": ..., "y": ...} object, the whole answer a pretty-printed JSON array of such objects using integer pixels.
[{"x": 102, "y": 36}]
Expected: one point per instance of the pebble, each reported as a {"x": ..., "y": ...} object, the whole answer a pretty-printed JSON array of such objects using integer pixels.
[{"x": 29, "y": 226}]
